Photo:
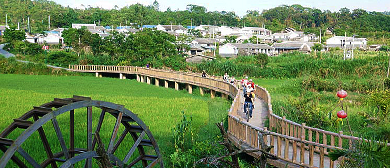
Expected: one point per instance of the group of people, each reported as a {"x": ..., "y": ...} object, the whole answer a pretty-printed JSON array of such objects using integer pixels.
[
  {"x": 228, "y": 79},
  {"x": 249, "y": 96}
]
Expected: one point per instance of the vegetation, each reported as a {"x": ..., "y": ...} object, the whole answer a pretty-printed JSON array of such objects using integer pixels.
[
  {"x": 310, "y": 20},
  {"x": 19, "y": 93}
]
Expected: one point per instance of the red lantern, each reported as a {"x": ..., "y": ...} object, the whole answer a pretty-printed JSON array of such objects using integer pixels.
[
  {"x": 342, "y": 94},
  {"x": 342, "y": 114}
]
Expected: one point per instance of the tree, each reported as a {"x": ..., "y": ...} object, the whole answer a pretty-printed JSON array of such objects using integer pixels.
[
  {"x": 11, "y": 35},
  {"x": 317, "y": 47}
]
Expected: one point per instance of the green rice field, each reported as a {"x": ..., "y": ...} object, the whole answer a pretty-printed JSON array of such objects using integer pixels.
[{"x": 158, "y": 107}]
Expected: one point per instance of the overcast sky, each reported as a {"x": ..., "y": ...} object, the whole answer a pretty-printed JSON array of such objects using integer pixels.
[{"x": 238, "y": 6}]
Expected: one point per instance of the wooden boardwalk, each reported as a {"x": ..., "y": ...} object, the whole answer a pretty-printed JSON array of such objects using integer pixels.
[{"x": 287, "y": 137}]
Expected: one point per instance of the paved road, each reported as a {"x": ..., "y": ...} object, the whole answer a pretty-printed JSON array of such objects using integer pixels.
[{"x": 6, "y": 54}]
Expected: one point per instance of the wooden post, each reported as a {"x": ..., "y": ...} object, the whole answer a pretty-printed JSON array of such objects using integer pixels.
[
  {"x": 97, "y": 74},
  {"x": 142, "y": 79},
  {"x": 156, "y": 81},
  {"x": 148, "y": 80},
  {"x": 340, "y": 139},
  {"x": 176, "y": 86},
  {"x": 189, "y": 88},
  {"x": 120, "y": 76},
  {"x": 201, "y": 91},
  {"x": 225, "y": 96},
  {"x": 166, "y": 84},
  {"x": 138, "y": 78},
  {"x": 212, "y": 92},
  {"x": 303, "y": 144}
]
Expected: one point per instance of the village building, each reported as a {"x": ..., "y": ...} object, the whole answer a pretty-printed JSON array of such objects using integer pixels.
[
  {"x": 236, "y": 49},
  {"x": 208, "y": 44},
  {"x": 289, "y": 46},
  {"x": 176, "y": 29},
  {"x": 198, "y": 58},
  {"x": 255, "y": 31},
  {"x": 347, "y": 42}
]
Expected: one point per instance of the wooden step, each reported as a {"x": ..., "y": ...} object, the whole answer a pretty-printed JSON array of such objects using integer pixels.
[
  {"x": 150, "y": 157},
  {"x": 136, "y": 128},
  {"x": 6, "y": 142},
  {"x": 41, "y": 111},
  {"x": 146, "y": 142},
  {"x": 60, "y": 102},
  {"x": 24, "y": 124},
  {"x": 80, "y": 98}
]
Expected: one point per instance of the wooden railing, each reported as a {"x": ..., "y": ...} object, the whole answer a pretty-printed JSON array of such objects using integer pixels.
[{"x": 288, "y": 137}]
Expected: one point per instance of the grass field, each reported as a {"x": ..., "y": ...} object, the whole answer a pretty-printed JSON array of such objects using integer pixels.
[{"x": 158, "y": 107}]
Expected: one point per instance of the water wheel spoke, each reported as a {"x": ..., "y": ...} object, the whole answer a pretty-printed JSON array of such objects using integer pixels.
[
  {"x": 153, "y": 163},
  {"x": 45, "y": 143},
  {"x": 99, "y": 126},
  {"x": 89, "y": 135},
  {"x": 14, "y": 158},
  {"x": 136, "y": 143},
  {"x": 121, "y": 138},
  {"x": 80, "y": 157},
  {"x": 60, "y": 137},
  {"x": 28, "y": 158},
  {"x": 135, "y": 161},
  {"x": 114, "y": 133},
  {"x": 71, "y": 132}
]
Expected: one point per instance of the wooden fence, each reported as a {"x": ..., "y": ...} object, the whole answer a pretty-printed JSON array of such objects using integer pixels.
[{"x": 287, "y": 137}]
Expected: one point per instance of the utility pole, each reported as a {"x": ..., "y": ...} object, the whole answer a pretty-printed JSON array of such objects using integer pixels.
[
  {"x": 345, "y": 44},
  {"x": 28, "y": 24},
  {"x": 49, "y": 22},
  {"x": 353, "y": 44},
  {"x": 320, "y": 35}
]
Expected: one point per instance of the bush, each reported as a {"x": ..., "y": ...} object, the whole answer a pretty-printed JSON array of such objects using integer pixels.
[{"x": 61, "y": 58}]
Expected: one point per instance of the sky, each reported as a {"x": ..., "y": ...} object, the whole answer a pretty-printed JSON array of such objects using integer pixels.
[{"x": 238, "y": 6}]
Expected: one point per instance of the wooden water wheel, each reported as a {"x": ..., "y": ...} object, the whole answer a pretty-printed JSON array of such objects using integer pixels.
[{"x": 68, "y": 133}]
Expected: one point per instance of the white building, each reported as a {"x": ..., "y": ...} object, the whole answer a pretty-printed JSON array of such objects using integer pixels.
[
  {"x": 349, "y": 42},
  {"x": 235, "y": 49},
  {"x": 172, "y": 28}
]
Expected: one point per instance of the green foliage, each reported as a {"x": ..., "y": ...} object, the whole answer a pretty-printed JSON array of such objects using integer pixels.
[
  {"x": 381, "y": 100},
  {"x": 384, "y": 48},
  {"x": 317, "y": 47},
  {"x": 183, "y": 134},
  {"x": 11, "y": 66},
  {"x": 11, "y": 34},
  {"x": 262, "y": 59},
  {"x": 61, "y": 58},
  {"x": 364, "y": 154}
]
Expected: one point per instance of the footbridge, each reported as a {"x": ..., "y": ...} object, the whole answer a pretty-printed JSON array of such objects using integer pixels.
[{"x": 294, "y": 144}]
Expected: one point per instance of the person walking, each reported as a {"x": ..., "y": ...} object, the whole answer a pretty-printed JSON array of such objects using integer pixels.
[{"x": 226, "y": 77}]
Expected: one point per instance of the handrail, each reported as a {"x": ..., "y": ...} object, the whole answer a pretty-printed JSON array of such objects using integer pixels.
[{"x": 286, "y": 131}]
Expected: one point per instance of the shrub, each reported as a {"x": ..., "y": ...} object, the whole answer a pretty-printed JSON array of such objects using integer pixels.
[{"x": 61, "y": 58}]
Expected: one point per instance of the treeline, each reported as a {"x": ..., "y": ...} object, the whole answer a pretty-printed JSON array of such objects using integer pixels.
[{"x": 275, "y": 19}]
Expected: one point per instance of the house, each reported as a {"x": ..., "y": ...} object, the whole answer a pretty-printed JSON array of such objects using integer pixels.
[
  {"x": 255, "y": 31},
  {"x": 291, "y": 36},
  {"x": 235, "y": 49},
  {"x": 228, "y": 31},
  {"x": 208, "y": 44},
  {"x": 348, "y": 42},
  {"x": 179, "y": 29},
  {"x": 195, "y": 49},
  {"x": 208, "y": 30},
  {"x": 50, "y": 38},
  {"x": 289, "y": 46}
]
